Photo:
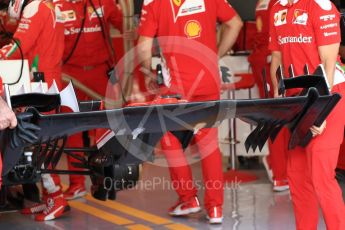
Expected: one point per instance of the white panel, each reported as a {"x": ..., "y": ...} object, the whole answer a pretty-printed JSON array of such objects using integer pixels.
[{"x": 10, "y": 71}]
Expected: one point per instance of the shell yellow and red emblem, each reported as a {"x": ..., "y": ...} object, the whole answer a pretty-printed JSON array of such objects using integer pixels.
[{"x": 193, "y": 29}]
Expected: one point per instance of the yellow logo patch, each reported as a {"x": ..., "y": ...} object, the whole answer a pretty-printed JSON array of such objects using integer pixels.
[
  {"x": 259, "y": 24},
  {"x": 193, "y": 29},
  {"x": 90, "y": 10},
  {"x": 50, "y": 5},
  {"x": 177, "y": 2}
]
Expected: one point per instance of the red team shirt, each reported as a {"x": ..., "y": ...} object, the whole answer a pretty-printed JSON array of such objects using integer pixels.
[
  {"x": 9, "y": 24},
  {"x": 40, "y": 34},
  {"x": 303, "y": 27},
  {"x": 193, "y": 20},
  {"x": 262, "y": 15},
  {"x": 99, "y": 51}
]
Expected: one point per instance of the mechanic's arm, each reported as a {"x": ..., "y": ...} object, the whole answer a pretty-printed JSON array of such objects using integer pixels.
[
  {"x": 145, "y": 59},
  {"x": 29, "y": 28},
  {"x": 7, "y": 117},
  {"x": 115, "y": 14},
  {"x": 328, "y": 55},
  {"x": 229, "y": 35},
  {"x": 276, "y": 61},
  {"x": 116, "y": 20}
]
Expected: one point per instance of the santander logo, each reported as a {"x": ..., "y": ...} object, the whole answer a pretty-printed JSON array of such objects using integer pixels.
[{"x": 293, "y": 39}]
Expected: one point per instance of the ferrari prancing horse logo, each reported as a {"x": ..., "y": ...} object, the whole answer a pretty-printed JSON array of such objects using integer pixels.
[{"x": 178, "y": 2}]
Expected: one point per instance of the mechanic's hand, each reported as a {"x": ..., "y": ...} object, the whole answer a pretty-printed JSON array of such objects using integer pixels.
[
  {"x": 25, "y": 132},
  {"x": 315, "y": 130},
  {"x": 150, "y": 81},
  {"x": 130, "y": 35},
  {"x": 276, "y": 94},
  {"x": 7, "y": 117},
  {"x": 151, "y": 84}
]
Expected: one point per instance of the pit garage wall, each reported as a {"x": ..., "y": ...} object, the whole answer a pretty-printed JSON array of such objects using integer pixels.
[{"x": 237, "y": 64}]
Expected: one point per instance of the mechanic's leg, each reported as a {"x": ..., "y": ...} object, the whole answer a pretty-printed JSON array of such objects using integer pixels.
[
  {"x": 54, "y": 205},
  {"x": 77, "y": 182},
  {"x": 257, "y": 64},
  {"x": 303, "y": 196},
  {"x": 180, "y": 171},
  {"x": 258, "y": 61},
  {"x": 341, "y": 159},
  {"x": 211, "y": 161},
  {"x": 51, "y": 183},
  {"x": 322, "y": 153},
  {"x": 278, "y": 155},
  {"x": 75, "y": 141},
  {"x": 328, "y": 192}
]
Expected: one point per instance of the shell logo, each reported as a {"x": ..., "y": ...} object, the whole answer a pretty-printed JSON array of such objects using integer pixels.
[{"x": 193, "y": 29}]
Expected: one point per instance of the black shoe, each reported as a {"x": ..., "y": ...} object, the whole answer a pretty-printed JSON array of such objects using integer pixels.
[{"x": 340, "y": 175}]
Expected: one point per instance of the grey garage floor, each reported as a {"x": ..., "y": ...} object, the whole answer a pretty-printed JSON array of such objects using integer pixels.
[{"x": 247, "y": 206}]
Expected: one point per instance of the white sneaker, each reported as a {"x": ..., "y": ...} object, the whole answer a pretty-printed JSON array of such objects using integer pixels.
[
  {"x": 74, "y": 192},
  {"x": 215, "y": 215},
  {"x": 185, "y": 208},
  {"x": 280, "y": 185}
]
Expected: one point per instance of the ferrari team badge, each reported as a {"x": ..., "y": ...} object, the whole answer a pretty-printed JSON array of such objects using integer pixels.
[
  {"x": 300, "y": 17},
  {"x": 177, "y": 2}
]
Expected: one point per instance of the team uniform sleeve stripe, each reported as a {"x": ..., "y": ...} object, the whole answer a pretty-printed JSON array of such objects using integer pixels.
[{"x": 12, "y": 50}]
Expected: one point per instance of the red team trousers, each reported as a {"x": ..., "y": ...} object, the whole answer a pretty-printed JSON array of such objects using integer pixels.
[
  {"x": 94, "y": 77},
  {"x": 181, "y": 175},
  {"x": 311, "y": 174},
  {"x": 277, "y": 157},
  {"x": 341, "y": 159}
]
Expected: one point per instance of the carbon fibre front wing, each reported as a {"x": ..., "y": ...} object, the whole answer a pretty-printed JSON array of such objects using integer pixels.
[{"x": 143, "y": 126}]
